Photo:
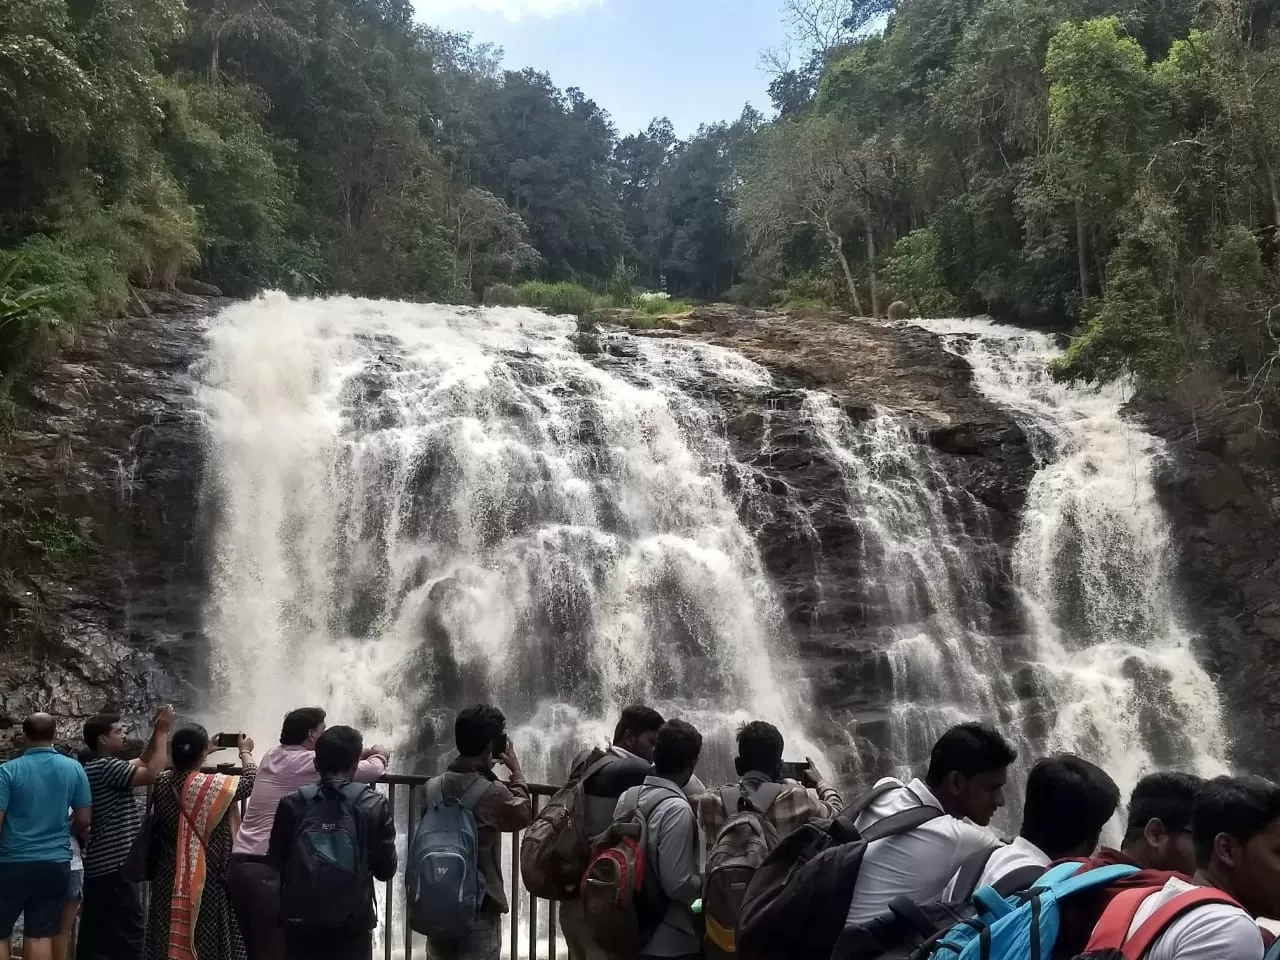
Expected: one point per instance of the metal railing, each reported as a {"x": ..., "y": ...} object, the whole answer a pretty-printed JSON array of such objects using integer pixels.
[{"x": 524, "y": 906}]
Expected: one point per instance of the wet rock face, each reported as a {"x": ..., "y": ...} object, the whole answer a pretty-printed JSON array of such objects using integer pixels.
[
  {"x": 1221, "y": 487},
  {"x": 101, "y": 572}
]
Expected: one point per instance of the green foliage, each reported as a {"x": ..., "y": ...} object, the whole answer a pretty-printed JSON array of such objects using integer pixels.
[
  {"x": 501, "y": 295},
  {"x": 622, "y": 283},
  {"x": 661, "y": 306},
  {"x": 560, "y": 299},
  {"x": 20, "y": 304},
  {"x": 915, "y": 274}
]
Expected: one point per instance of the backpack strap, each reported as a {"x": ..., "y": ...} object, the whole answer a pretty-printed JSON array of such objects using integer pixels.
[
  {"x": 472, "y": 796},
  {"x": 971, "y": 871},
  {"x": 595, "y": 767},
  {"x": 657, "y": 798},
  {"x": 435, "y": 792},
  {"x": 902, "y": 822},
  {"x": 1273, "y": 951},
  {"x": 1156, "y": 924},
  {"x": 729, "y": 796},
  {"x": 859, "y": 806},
  {"x": 309, "y": 792},
  {"x": 763, "y": 796},
  {"x": 1015, "y": 881}
]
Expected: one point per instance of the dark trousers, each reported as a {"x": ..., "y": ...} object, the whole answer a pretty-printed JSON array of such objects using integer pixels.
[
  {"x": 254, "y": 888},
  {"x": 338, "y": 945},
  {"x": 111, "y": 922}
]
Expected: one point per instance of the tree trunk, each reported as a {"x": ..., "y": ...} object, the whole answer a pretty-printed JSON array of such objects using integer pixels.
[
  {"x": 1082, "y": 251},
  {"x": 871, "y": 269},
  {"x": 1269, "y": 170},
  {"x": 837, "y": 248}
]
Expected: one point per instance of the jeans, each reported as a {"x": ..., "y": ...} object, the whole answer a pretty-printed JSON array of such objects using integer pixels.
[
  {"x": 111, "y": 922},
  {"x": 484, "y": 942},
  {"x": 254, "y": 888}
]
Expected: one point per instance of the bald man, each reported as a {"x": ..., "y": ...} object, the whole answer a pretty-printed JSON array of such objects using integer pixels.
[{"x": 37, "y": 790}]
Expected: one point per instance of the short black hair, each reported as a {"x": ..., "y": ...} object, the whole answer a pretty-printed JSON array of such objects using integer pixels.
[
  {"x": 298, "y": 725},
  {"x": 1241, "y": 807},
  {"x": 40, "y": 728},
  {"x": 760, "y": 747},
  {"x": 476, "y": 728},
  {"x": 1167, "y": 796},
  {"x": 188, "y": 747},
  {"x": 1069, "y": 801},
  {"x": 637, "y": 719},
  {"x": 969, "y": 749},
  {"x": 677, "y": 748},
  {"x": 97, "y": 727},
  {"x": 338, "y": 749}
]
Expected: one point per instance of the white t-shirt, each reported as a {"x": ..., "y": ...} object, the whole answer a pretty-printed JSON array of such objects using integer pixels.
[
  {"x": 1215, "y": 931},
  {"x": 917, "y": 865},
  {"x": 1010, "y": 857}
]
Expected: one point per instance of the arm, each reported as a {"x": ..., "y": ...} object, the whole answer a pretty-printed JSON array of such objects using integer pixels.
[
  {"x": 281, "y": 836},
  {"x": 970, "y": 838},
  {"x": 156, "y": 755},
  {"x": 372, "y": 767},
  {"x": 81, "y": 803},
  {"x": 382, "y": 846},
  {"x": 246, "y": 781},
  {"x": 677, "y": 852},
  {"x": 512, "y": 811},
  {"x": 712, "y": 816}
]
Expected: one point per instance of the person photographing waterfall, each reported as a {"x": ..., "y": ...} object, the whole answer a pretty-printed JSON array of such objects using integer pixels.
[
  {"x": 454, "y": 874},
  {"x": 111, "y": 921}
]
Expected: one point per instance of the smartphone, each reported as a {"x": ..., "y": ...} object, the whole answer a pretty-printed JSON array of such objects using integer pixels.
[
  {"x": 794, "y": 769},
  {"x": 224, "y": 740},
  {"x": 501, "y": 745}
]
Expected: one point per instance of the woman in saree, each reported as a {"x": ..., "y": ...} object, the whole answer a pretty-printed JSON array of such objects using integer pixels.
[{"x": 196, "y": 815}]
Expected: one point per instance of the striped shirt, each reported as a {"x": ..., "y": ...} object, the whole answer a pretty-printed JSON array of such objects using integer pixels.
[{"x": 117, "y": 818}]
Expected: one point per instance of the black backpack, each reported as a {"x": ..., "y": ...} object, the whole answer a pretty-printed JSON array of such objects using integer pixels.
[
  {"x": 798, "y": 900},
  {"x": 326, "y": 881},
  {"x": 907, "y": 931}
]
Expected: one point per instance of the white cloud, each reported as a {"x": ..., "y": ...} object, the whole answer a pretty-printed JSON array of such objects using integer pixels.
[{"x": 513, "y": 10}]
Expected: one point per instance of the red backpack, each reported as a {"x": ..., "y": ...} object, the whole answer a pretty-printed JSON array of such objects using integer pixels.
[{"x": 1111, "y": 940}]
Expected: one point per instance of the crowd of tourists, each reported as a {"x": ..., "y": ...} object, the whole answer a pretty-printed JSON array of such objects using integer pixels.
[{"x": 643, "y": 860}]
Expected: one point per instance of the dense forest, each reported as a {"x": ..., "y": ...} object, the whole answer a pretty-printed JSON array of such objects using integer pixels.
[{"x": 1104, "y": 164}]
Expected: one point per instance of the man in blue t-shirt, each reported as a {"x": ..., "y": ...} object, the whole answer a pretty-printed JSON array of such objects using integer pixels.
[{"x": 36, "y": 791}]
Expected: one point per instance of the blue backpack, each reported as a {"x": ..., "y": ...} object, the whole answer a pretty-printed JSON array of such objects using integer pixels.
[
  {"x": 1024, "y": 926},
  {"x": 442, "y": 879}
]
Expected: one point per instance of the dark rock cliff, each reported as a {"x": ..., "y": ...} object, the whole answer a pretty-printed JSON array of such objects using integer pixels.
[
  {"x": 100, "y": 573},
  {"x": 1221, "y": 487}
]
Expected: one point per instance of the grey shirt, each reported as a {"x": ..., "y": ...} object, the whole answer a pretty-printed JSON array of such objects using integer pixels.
[{"x": 672, "y": 855}]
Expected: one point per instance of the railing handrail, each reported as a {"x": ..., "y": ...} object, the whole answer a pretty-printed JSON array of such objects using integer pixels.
[{"x": 397, "y": 779}]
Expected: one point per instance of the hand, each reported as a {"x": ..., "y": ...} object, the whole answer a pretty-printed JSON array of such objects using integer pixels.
[
  {"x": 246, "y": 743},
  {"x": 510, "y": 760},
  {"x": 375, "y": 751},
  {"x": 164, "y": 719},
  {"x": 809, "y": 776}
]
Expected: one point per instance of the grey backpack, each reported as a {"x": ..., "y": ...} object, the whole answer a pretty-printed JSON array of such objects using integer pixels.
[{"x": 442, "y": 878}]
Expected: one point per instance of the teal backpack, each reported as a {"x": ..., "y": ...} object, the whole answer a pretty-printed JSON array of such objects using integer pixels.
[{"x": 1024, "y": 926}]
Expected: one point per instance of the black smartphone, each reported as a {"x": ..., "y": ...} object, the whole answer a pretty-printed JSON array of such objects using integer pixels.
[
  {"x": 224, "y": 740},
  {"x": 501, "y": 745},
  {"x": 794, "y": 769}
]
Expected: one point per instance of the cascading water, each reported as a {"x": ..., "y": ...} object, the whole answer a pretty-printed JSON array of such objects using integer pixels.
[
  {"x": 415, "y": 507},
  {"x": 424, "y": 506},
  {"x": 1110, "y": 665}
]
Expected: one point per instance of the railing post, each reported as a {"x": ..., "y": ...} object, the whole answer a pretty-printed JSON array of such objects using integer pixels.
[
  {"x": 390, "y": 898},
  {"x": 533, "y": 901},
  {"x": 410, "y": 822},
  {"x": 515, "y": 896}
]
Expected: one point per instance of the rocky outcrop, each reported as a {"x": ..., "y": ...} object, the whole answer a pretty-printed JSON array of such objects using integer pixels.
[
  {"x": 100, "y": 572},
  {"x": 1221, "y": 487}
]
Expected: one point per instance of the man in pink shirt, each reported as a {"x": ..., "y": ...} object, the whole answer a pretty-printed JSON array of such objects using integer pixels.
[{"x": 252, "y": 882}]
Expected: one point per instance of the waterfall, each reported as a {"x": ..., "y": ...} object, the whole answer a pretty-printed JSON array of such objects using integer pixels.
[
  {"x": 1110, "y": 670},
  {"x": 422, "y": 506},
  {"x": 415, "y": 507}
]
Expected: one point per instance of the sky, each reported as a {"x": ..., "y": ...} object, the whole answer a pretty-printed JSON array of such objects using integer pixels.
[{"x": 695, "y": 61}]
